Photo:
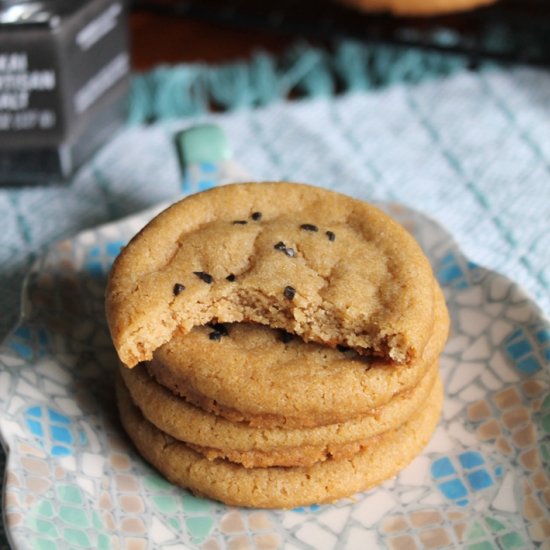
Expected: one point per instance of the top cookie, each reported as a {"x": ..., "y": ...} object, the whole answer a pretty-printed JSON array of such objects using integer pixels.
[{"x": 322, "y": 265}]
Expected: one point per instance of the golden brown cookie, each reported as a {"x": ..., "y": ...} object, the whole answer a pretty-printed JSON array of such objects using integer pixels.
[
  {"x": 257, "y": 375},
  {"x": 417, "y": 7},
  {"x": 217, "y": 437},
  {"x": 319, "y": 264},
  {"x": 279, "y": 487}
]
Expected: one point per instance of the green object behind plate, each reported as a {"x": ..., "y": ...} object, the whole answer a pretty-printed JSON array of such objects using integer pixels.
[{"x": 204, "y": 143}]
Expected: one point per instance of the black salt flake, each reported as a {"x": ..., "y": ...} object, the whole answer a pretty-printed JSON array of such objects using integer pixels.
[
  {"x": 331, "y": 236},
  {"x": 178, "y": 287},
  {"x": 240, "y": 222},
  {"x": 289, "y": 292},
  {"x": 290, "y": 252},
  {"x": 231, "y": 277},
  {"x": 309, "y": 227},
  {"x": 256, "y": 216},
  {"x": 203, "y": 276}
]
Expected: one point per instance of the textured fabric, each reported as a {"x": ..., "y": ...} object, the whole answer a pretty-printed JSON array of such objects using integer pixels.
[
  {"x": 471, "y": 150},
  {"x": 351, "y": 66}
]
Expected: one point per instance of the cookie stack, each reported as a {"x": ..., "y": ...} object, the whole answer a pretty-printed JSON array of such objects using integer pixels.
[{"x": 278, "y": 344}]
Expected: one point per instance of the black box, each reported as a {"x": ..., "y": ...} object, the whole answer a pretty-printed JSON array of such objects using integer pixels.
[{"x": 64, "y": 77}]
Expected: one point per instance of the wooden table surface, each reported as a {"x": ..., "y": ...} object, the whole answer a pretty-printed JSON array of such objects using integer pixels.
[{"x": 157, "y": 39}]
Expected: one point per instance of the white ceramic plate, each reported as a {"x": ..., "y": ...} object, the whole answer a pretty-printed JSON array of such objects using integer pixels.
[{"x": 74, "y": 481}]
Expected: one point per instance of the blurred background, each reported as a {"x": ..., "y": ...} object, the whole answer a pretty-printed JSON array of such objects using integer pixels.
[
  {"x": 66, "y": 66},
  {"x": 221, "y": 30}
]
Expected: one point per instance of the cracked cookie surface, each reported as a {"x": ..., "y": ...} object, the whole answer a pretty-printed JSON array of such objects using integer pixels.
[{"x": 319, "y": 264}]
